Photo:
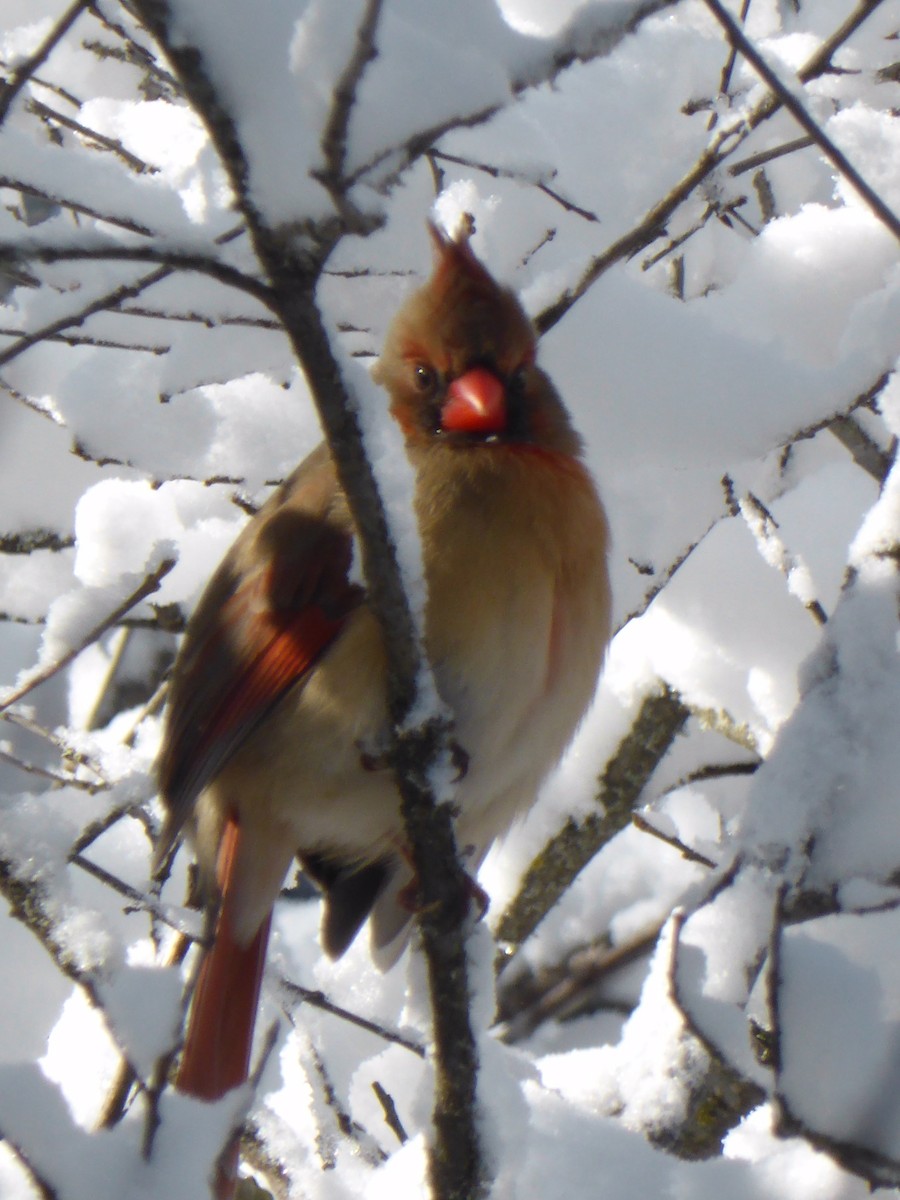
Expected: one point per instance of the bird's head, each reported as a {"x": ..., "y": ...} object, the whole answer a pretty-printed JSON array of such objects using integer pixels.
[{"x": 459, "y": 361}]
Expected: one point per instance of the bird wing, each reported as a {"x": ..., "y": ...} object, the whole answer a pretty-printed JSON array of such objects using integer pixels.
[{"x": 279, "y": 599}]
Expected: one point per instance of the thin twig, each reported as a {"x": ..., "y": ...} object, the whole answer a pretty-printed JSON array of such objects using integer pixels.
[
  {"x": 319, "y": 1000},
  {"x": 821, "y": 60},
  {"x": 335, "y": 133},
  {"x": 686, "y": 852},
  {"x": 837, "y": 157},
  {"x": 54, "y": 777},
  {"x": 720, "y": 147},
  {"x": 758, "y": 160},
  {"x": 146, "y": 588},
  {"x": 26, "y": 69},
  {"x": 866, "y": 453},
  {"x": 517, "y": 176},
  {"x": 24, "y": 721},
  {"x": 764, "y": 527},
  {"x": 661, "y": 717},
  {"x": 46, "y": 113},
  {"x": 391, "y": 1116},
  {"x": 557, "y": 991},
  {"x": 139, "y": 899},
  {"x": 728, "y": 69},
  {"x": 86, "y": 210}
]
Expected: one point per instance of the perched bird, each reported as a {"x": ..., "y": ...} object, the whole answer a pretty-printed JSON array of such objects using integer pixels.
[{"x": 279, "y": 692}]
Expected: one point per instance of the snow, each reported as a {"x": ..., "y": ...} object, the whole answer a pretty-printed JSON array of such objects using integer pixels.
[{"x": 147, "y": 429}]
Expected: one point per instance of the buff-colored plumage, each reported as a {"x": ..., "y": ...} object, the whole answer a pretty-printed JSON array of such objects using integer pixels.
[{"x": 279, "y": 697}]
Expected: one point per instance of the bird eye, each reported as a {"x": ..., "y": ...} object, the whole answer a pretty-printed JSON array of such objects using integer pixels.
[{"x": 424, "y": 377}]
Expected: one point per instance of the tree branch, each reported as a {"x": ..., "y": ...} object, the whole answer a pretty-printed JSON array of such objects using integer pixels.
[
  {"x": 661, "y": 717},
  {"x": 720, "y": 147},
  {"x": 146, "y": 588},
  {"x": 26, "y": 69},
  {"x": 839, "y": 160}
]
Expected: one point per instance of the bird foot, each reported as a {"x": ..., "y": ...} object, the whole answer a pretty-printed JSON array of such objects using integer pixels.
[{"x": 410, "y": 897}]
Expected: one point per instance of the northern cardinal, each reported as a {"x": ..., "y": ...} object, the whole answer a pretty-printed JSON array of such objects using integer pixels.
[{"x": 278, "y": 697}]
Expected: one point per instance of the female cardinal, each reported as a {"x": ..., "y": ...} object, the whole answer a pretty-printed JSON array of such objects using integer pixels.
[{"x": 279, "y": 693}]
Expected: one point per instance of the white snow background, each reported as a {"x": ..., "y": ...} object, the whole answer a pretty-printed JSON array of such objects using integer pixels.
[{"x": 755, "y": 569}]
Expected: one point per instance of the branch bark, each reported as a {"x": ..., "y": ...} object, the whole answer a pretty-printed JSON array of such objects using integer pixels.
[{"x": 661, "y": 717}]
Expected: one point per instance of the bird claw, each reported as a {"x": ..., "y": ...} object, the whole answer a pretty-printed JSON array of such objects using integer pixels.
[{"x": 410, "y": 897}]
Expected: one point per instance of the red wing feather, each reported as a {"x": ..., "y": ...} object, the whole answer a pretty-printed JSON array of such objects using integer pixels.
[
  {"x": 279, "y": 599},
  {"x": 241, "y": 672}
]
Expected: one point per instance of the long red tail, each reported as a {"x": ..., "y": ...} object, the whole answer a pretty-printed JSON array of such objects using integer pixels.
[{"x": 216, "y": 1054}]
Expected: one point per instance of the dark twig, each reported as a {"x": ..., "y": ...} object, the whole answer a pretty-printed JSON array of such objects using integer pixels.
[
  {"x": 139, "y": 899},
  {"x": 26, "y": 69},
  {"x": 53, "y": 329},
  {"x": 820, "y": 62},
  {"x": 865, "y": 452},
  {"x": 556, "y": 992},
  {"x": 46, "y": 113},
  {"x": 319, "y": 1000},
  {"x": 839, "y": 160},
  {"x": 68, "y": 752},
  {"x": 508, "y": 173},
  {"x": 661, "y": 717},
  {"x": 58, "y": 780},
  {"x": 337, "y": 127},
  {"x": 590, "y": 37},
  {"x": 146, "y": 588},
  {"x": 758, "y": 160},
  {"x": 728, "y": 69},
  {"x": 391, "y": 1116},
  {"x": 645, "y": 826},
  {"x": 764, "y": 527},
  {"x": 20, "y": 185},
  {"x": 721, "y": 146}
]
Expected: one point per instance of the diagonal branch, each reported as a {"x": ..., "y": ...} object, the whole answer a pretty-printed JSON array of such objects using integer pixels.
[
  {"x": 721, "y": 146},
  {"x": 839, "y": 160},
  {"x": 25, "y": 70},
  {"x": 29, "y": 189},
  {"x": 334, "y": 136},
  {"x": 146, "y": 588},
  {"x": 661, "y": 717}
]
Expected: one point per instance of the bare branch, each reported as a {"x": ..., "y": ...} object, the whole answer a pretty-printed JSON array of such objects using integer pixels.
[
  {"x": 139, "y": 899},
  {"x": 568, "y": 987},
  {"x": 837, "y": 157},
  {"x": 100, "y": 140},
  {"x": 865, "y": 452},
  {"x": 318, "y": 999},
  {"x": 588, "y": 37},
  {"x": 26, "y": 70},
  {"x": 29, "y": 189},
  {"x": 56, "y": 778},
  {"x": 660, "y": 718},
  {"x": 720, "y": 147},
  {"x": 146, "y": 588},
  {"x": 391, "y": 1116},
  {"x": 676, "y": 843},
  {"x": 757, "y": 160},
  {"x": 335, "y": 133},
  {"x": 764, "y": 528},
  {"x": 508, "y": 173}
]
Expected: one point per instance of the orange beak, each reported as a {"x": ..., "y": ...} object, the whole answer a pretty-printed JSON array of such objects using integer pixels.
[{"x": 476, "y": 403}]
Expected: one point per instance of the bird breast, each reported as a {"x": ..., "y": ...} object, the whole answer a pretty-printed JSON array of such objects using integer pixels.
[
  {"x": 518, "y": 616},
  {"x": 517, "y": 621}
]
